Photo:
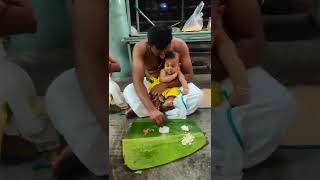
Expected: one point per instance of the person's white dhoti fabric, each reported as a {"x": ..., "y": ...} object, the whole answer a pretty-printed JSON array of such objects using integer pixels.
[
  {"x": 73, "y": 118},
  {"x": 184, "y": 105},
  {"x": 260, "y": 125},
  {"x": 115, "y": 92},
  {"x": 27, "y": 119}
]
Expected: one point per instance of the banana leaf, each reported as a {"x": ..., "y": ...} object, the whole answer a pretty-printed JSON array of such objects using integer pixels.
[{"x": 142, "y": 151}]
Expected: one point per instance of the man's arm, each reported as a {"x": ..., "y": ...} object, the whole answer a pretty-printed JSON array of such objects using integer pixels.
[
  {"x": 90, "y": 44},
  {"x": 229, "y": 56},
  {"x": 186, "y": 65},
  {"x": 17, "y": 17},
  {"x": 138, "y": 77},
  {"x": 245, "y": 28}
]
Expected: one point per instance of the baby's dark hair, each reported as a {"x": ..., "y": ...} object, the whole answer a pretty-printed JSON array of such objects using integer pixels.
[
  {"x": 170, "y": 54},
  {"x": 160, "y": 36}
]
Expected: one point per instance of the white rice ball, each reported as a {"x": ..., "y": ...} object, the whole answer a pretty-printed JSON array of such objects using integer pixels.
[
  {"x": 185, "y": 128},
  {"x": 164, "y": 129}
]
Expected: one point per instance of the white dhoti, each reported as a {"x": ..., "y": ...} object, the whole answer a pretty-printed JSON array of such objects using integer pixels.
[
  {"x": 72, "y": 117},
  {"x": 115, "y": 93},
  {"x": 28, "y": 118},
  {"x": 184, "y": 105},
  {"x": 261, "y": 124}
]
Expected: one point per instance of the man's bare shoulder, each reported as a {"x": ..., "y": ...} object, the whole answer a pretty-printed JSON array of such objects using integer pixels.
[
  {"x": 141, "y": 46},
  {"x": 177, "y": 42},
  {"x": 179, "y": 45}
]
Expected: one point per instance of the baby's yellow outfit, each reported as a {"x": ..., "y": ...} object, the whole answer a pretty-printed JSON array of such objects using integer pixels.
[
  {"x": 3, "y": 39},
  {"x": 175, "y": 91},
  {"x": 216, "y": 98},
  {"x": 4, "y": 116}
]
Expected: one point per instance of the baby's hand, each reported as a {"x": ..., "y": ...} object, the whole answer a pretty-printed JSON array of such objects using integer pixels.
[
  {"x": 239, "y": 96},
  {"x": 176, "y": 74},
  {"x": 185, "y": 91}
]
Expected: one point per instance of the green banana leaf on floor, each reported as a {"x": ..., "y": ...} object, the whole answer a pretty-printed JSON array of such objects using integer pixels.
[{"x": 141, "y": 151}]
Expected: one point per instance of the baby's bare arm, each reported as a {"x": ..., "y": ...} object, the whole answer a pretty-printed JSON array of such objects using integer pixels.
[
  {"x": 166, "y": 78},
  {"x": 183, "y": 81},
  {"x": 228, "y": 54}
]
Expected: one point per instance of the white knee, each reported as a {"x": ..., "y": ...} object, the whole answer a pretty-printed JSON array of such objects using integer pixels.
[
  {"x": 194, "y": 98},
  {"x": 56, "y": 90},
  {"x": 129, "y": 92},
  {"x": 134, "y": 101}
]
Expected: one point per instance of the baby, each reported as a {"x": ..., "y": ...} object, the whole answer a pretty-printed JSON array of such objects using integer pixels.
[
  {"x": 170, "y": 72},
  {"x": 227, "y": 52}
]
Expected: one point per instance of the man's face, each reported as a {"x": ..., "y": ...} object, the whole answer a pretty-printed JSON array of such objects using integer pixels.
[
  {"x": 171, "y": 65},
  {"x": 160, "y": 53}
]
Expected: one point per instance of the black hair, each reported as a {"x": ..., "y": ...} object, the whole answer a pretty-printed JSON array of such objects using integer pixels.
[
  {"x": 170, "y": 54},
  {"x": 160, "y": 36}
]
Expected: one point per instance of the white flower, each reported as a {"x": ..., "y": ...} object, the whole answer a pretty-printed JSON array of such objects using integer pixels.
[
  {"x": 164, "y": 129},
  {"x": 185, "y": 128},
  {"x": 187, "y": 139}
]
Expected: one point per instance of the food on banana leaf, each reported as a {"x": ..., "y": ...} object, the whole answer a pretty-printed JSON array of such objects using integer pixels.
[
  {"x": 164, "y": 129},
  {"x": 142, "y": 151},
  {"x": 187, "y": 139},
  {"x": 185, "y": 128},
  {"x": 147, "y": 131}
]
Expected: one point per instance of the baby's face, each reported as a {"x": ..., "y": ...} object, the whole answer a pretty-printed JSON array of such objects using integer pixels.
[{"x": 171, "y": 65}]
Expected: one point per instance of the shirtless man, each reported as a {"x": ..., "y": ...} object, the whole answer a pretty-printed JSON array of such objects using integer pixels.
[
  {"x": 264, "y": 120},
  {"x": 148, "y": 60}
]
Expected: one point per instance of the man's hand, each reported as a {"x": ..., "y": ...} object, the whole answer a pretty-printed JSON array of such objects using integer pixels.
[
  {"x": 158, "y": 117},
  {"x": 158, "y": 89}
]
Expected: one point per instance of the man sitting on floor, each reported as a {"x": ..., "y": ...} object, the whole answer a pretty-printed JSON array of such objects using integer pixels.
[{"x": 148, "y": 59}]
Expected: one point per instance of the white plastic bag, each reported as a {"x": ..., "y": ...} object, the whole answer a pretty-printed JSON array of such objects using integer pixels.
[{"x": 195, "y": 22}]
